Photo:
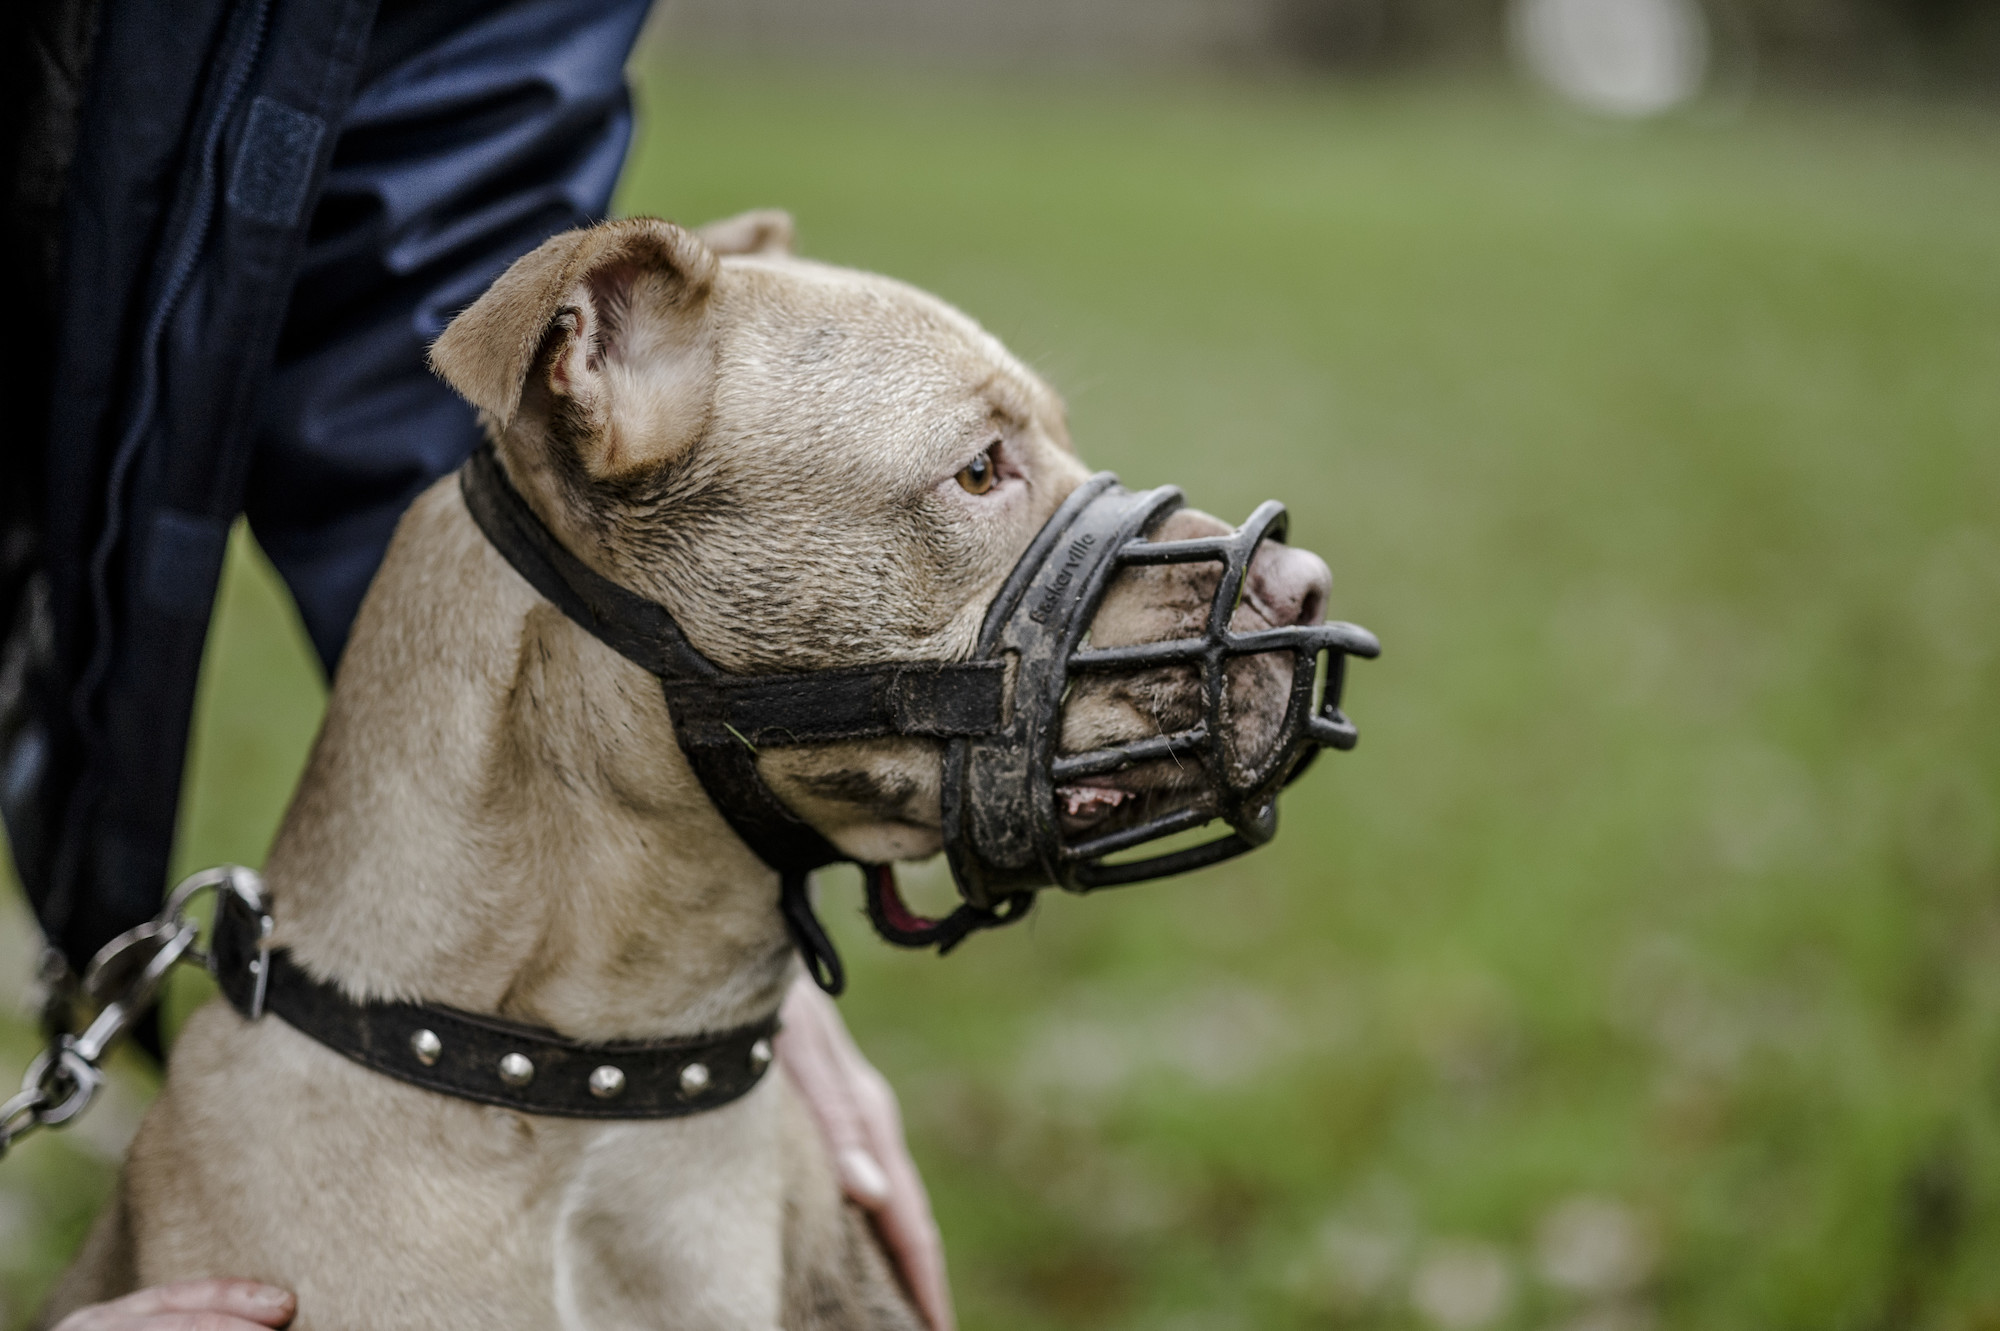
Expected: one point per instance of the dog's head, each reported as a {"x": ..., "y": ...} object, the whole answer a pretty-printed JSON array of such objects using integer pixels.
[{"x": 813, "y": 467}]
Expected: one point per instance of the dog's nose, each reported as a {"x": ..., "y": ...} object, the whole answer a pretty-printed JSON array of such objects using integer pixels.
[{"x": 1289, "y": 585}]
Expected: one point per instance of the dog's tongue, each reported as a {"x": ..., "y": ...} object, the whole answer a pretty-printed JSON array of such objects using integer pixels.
[
  {"x": 889, "y": 900},
  {"x": 1091, "y": 801}
]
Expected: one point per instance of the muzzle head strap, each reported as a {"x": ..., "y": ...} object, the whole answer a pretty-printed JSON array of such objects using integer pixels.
[{"x": 637, "y": 629}]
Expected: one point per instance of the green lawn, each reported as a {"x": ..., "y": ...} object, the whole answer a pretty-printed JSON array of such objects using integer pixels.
[{"x": 1642, "y": 966}]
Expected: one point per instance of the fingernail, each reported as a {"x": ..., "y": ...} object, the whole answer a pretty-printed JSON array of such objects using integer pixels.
[
  {"x": 862, "y": 1178},
  {"x": 270, "y": 1296}
]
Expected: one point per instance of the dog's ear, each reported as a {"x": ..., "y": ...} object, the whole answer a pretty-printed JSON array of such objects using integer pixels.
[
  {"x": 765, "y": 231},
  {"x": 614, "y": 323}
]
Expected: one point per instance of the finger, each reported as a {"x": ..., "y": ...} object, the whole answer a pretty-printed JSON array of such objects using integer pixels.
[
  {"x": 875, "y": 1101},
  {"x": 904, "y": 1219},
  {"x": 863, "y": 1121},
  {"x": 919, "y": 1261},
  {"x": 237, "y": 1298},
  {"x": 910, "y": 1233},
  {"x": 862, "y": 1125},
  {"x": 247, "y": 1300},
  {"x": 811, "y": 1056},
  {"x": 862, "y": 1178},
  {"x": 179, "y": 1322}
]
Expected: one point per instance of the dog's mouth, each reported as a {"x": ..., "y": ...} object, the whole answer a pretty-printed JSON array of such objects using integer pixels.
[
  {"x": 1159, "y": 702},
  {"x": 1086, "y": 806},
  {"x": 1100, "y": 806}
]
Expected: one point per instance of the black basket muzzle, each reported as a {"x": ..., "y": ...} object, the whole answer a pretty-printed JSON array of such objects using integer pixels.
[
  {"x": 1003, "y": 830},
  {"x": 999, "y": 714}
]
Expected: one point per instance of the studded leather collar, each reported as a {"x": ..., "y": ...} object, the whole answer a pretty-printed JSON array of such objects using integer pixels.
[{"x": 528, "y": 1069}]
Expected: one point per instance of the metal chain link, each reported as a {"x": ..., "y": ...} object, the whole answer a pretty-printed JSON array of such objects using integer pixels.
[{"x": 122, "y": 980}]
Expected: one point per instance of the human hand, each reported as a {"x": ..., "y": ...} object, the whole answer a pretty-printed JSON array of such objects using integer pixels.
[
  {"x": 863, "y": 1129},
  {"x": 191, "y": 1305}
]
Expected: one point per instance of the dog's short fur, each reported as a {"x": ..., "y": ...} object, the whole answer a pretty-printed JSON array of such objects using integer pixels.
[{"x": 496, "y": 816}]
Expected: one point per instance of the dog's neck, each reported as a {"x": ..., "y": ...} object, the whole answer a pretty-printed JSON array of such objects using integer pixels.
[{"x": 496, "y": 817}]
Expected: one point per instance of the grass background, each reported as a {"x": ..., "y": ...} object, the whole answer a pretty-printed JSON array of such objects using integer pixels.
[{"x": 1642, "y": 967}]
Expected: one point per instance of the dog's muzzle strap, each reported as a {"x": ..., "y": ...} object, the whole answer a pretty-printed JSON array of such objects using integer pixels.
[{"x": 472, "y": 1056}]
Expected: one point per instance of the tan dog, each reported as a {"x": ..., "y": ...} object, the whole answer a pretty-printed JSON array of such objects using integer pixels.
[{"x": 809, "y": 467}]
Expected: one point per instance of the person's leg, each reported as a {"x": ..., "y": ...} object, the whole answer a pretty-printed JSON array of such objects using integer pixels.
[{"x": 477, "y": 134}]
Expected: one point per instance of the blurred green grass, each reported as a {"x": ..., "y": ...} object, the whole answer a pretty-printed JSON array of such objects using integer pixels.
[{"x": 1639, "y": 969}]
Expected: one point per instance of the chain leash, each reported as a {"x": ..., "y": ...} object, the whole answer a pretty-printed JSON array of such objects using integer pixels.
[{"x": 121, "y": 981}]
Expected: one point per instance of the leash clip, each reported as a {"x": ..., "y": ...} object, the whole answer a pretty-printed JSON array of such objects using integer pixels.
[{"x": 122, "y": 981}]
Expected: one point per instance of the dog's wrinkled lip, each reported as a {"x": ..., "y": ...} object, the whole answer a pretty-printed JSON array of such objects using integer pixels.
[
  {"x": 1094, "y": 806},
  {"x": 1089, "y": 803},
  {"x": 1125, "y": 799}
]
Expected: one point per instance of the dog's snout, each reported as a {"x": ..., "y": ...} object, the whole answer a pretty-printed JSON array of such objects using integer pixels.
[{"x": 1289, "y": 585}]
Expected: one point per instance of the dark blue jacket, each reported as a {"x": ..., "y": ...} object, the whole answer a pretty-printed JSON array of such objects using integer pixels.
[{"x": 272, "y": 207}]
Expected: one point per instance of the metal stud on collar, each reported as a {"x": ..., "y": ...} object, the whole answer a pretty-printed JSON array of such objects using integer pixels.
[
  {"x": 426, "y": 1046},
  {"x": 517, "y": 1069},
  {"x": 607, "y": 1083},
  {"x": 694, "y": 1079}
]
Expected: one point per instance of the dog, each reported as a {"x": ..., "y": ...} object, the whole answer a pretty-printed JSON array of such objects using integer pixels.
[{"x": 810, "y": 467}]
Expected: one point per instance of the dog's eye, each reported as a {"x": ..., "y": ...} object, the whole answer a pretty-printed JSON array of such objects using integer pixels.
[{"x": 977, "y": 477}]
